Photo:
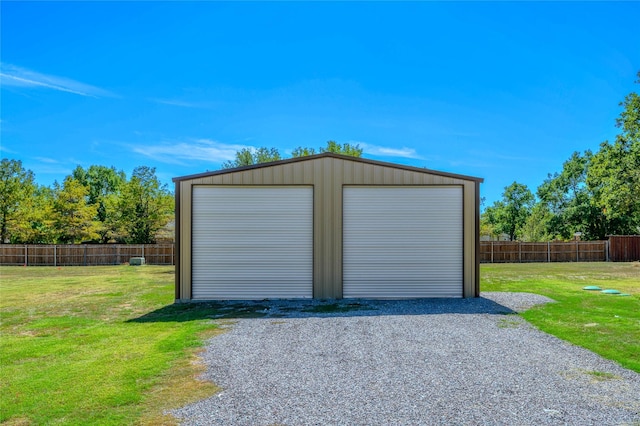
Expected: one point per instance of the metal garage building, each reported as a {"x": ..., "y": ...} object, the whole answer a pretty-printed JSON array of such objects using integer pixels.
[{"x": 326, "y": 226}]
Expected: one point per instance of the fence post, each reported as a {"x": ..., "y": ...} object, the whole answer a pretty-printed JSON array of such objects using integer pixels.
[
  {"x": 577, "y": 255},
  {"x": 548, "y": 252},
  {"x": 55, "y": 255},
  {"x": 142, "y": 250},
  {"x": 520, "y": 251},
  {"x": 491, "y": 252},
  {"x": 606, "y": 250},
  {"x": 118, "y": 254},
  {"x": 26, "y": 255},
  {"x": 85, "y": 255}
]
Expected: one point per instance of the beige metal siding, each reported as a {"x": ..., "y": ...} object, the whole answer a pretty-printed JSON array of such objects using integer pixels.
[
  {"x": 402, "y": 242},
  {"x": 471, "y": 235},
  {"x": 185, "y": 240},
  {"x": 252, "y": 242},
  {"x": 328, "y": 176}
]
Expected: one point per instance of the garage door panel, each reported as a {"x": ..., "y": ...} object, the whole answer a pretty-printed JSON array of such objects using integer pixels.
[
  {"x": 402, "y": 242},
  {"x": 252, "y": 242}
]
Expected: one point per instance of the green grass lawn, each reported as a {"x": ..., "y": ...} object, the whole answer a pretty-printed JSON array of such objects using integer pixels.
[
  {"x": 105, "y": 345},
  {"x": 96, "y": 345},
  {"x": 605, "y": 324}
]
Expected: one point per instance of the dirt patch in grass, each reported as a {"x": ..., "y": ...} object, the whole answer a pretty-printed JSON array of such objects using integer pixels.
[{"x": 178, "y": 386}]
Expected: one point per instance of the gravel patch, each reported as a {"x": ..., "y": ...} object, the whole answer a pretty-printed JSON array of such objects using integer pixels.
[{"x": 357, "y": 362}]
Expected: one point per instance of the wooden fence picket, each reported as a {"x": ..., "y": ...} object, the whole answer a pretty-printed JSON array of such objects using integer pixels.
[{"x": 84, "y": 254}]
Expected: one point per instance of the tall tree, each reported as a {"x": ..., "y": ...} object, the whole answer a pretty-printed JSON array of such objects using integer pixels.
[
  {"x": 73, "y": 217},
  {"x": 144, "y": 206},
  {"x": 614, "y": 175},
  {"x": 102, "y": 182},
  {"x": 16, "y": 186},
  {"x": 536, "y": 227},
  {"x": 487, "y": 229},
  {"x": 570, "y": 200},
  {"x": 251, "y": 156},
  {"x": 37, "y": 225},
  {"x": 510, "y": 214}
]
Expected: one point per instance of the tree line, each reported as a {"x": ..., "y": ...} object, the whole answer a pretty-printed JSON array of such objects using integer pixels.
[
  {"x": 97, "y": 204},
  {"x": 595, "y": 194},
  {"x": 100, "y": 204},
  {"x": 250, "y": 156}
]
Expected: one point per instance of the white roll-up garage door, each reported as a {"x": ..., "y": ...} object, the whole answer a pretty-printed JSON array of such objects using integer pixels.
[
  {"x": 402, "y": 242},
  {"x": 252, "y": 242}
]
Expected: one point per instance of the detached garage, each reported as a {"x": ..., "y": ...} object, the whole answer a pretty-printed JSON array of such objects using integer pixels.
[{"x": 326, "y": 226}]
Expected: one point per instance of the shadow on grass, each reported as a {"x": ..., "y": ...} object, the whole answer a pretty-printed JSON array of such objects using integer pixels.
[{"x": 297, "y": 308}]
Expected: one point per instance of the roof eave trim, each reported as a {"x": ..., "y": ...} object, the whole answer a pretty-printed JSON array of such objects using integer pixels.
[{"x": 327, "y": 155}]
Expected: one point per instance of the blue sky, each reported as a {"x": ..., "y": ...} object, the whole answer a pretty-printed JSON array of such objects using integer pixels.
[{"x": 504, "y": 91}]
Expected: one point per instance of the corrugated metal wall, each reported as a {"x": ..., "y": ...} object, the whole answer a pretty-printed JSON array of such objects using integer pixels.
[{"x": 328, "y": 175}]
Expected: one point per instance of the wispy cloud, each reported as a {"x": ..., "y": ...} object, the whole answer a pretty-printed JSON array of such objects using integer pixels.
[
  {"x": 4, "y": 150},
  {"x": 46, "y": 160},
  {"x": 181, "y": 103},
  {"x": 11, "y": 75},
  {"x": 384, "y": 151},
  {"x": 49, "y": 166},
  {"x": 204, "y": 150}
]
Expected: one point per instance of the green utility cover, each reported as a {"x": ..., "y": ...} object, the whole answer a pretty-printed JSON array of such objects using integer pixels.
[
  {"x": 610, "y": 291},
  {"x": 591, "y": 287}
]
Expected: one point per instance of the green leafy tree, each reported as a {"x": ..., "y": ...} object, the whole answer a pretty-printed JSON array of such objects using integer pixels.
[
  {"x": 331, "y": 146},
  {"x": 73, "y": 217},
  {"x": 487, "y": 229},
  {"x": 629, "y": 120},
  {"x": 303, "y": 152},
  {"x": 143, "y": 208},
  {"x": 251, "y": 156},
  {"x": 37, "y": 226},
  {"x": 508, "y": 215},
  {"x": 102, "y": 182},
  {"x": 16, "y": 186},
  {"x": 344, "y": 149},
  {"x": 536, "y": 227},
  {"x": 570, "y": 200},
  {"x": 614, "y": 174}
]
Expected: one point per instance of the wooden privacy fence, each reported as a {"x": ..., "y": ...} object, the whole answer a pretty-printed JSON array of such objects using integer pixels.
[
  {"x": 84, "y": 254},
  {"x": 617, "y": 249},
  {"x": 624, "y": 248},
  {"x": 516, "y": 251}
]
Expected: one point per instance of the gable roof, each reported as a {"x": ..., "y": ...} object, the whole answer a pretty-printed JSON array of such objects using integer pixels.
[{"x": 328, "y": 155}]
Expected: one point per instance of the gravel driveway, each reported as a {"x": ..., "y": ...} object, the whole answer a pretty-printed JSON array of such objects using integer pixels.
[{"x": 463, "y": 361}]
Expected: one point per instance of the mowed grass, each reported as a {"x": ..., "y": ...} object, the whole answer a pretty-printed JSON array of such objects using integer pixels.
[
  {"x": 105, "y": 345},
  {"x": 606, "y": 324},
  {"x": 97, "y": 345}
]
